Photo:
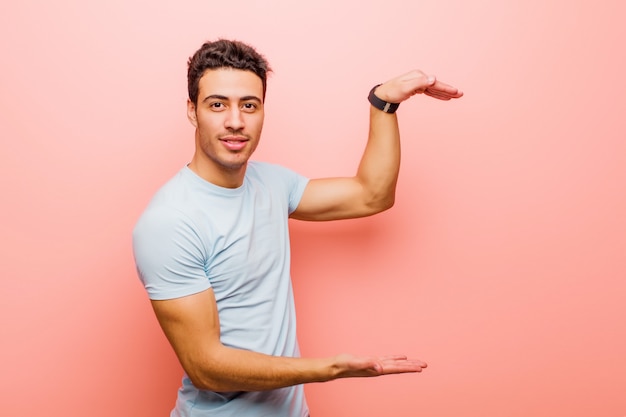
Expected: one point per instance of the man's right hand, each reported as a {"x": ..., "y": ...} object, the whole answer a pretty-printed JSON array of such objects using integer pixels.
[
  {"x": 349, "y": 366},
  {"x": 191, "y": 324}
]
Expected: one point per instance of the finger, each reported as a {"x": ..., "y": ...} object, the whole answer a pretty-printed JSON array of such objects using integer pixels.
[
  {"x": 442, "y": 95},
  {"x": 437, "y": 95},
  {"x": 402, "y": 358},
  {"x": 400, "y": 367},
  {"x": 443, "y": 91},
  {"x": 443, "y": 87},
  {"x": 393, "y": 357},
  {"x": 425, "y": 82}
]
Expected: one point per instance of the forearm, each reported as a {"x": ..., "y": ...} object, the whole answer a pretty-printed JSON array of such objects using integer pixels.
[
  {"x": 192, "y": 327},
  {"x": 228, "y": 369},
  {"x": 380, "y": 164},
  {"x": 240, "y": 370},
  {"x": 378, "y": 171}
]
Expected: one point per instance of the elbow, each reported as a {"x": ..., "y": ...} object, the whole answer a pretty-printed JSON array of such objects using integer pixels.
[
  {"x": 382, "y": 204},
  {"x": 205, "y": 377},
  {"x": 388, "y": 203},
  {"x": 199, "y": 381},
  {"x": 202, "y": 382}
]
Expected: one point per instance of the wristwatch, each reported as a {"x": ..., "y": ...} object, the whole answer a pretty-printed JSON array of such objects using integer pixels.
[{"x": 381, "y": 104}]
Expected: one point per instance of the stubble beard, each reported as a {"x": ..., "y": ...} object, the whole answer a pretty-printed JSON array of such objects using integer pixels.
[{"x": 228, "y": 164}]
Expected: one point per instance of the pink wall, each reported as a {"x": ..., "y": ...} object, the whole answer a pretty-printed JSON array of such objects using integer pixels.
[{"x": 503, "y": 263}]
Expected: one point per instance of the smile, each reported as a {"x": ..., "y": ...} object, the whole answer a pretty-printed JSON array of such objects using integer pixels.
[{"x": 234, "y": 144}]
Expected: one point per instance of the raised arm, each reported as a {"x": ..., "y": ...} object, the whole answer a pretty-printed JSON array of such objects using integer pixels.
[
  {"x": 372, "y": 189},
  {"x": 191, "y": 324}
]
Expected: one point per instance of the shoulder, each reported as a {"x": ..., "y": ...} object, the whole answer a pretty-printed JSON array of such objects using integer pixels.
[
  {"x": 170, "y": 212},
  {"x": 285, "y": 183},
  {"x": 183, "y": 198},
  {"x": 261, "y": 167},
  {"x": 169, "y": 247},
  {"x": 273, "y": 172}
]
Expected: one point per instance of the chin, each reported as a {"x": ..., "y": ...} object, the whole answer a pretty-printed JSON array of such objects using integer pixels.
[{"x": 234, "y": 165}]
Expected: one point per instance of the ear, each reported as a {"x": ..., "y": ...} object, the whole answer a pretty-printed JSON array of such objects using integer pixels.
[{"x": 191, "y": 113}]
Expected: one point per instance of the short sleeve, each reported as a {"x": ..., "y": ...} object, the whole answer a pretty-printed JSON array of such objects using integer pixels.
[
  {"x": 293, "y": 183},
  {"x": 169, "y": 254},
  {"x": 298, "y": 184}
]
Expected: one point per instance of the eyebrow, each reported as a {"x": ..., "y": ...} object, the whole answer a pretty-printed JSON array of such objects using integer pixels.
[{"x": 220, "y": 97}]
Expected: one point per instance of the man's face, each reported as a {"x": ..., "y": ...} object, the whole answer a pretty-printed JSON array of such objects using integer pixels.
[{"x": 228, "y": 119}]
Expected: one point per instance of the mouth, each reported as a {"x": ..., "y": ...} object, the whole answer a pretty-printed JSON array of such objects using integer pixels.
[{"x": 234, "y": 143}]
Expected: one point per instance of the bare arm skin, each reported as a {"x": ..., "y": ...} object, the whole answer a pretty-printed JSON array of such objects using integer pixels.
[
  {"x": 372, "y": 189},
  {"x": 191, "y": 324}
]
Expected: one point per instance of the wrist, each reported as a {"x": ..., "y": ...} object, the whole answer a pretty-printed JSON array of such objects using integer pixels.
[{"x": 379, "y": 100}]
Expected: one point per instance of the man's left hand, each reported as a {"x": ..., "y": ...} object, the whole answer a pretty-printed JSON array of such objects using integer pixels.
[{"x": 414, "y": 82}]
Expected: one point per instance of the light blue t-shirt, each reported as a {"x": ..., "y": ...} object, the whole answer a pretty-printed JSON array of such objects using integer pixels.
[{"x": 195, "y": 235}]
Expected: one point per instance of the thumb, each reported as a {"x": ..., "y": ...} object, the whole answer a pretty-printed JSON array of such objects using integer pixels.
[{"x": 431, "y": 80}]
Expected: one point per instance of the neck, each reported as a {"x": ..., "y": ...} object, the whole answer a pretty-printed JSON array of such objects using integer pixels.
[{"x": 217, "y": 175}]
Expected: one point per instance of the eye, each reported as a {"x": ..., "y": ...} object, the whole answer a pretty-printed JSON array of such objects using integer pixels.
[
  {"x": 249, "y": 107},
  {"x": 217, "y": 106}
]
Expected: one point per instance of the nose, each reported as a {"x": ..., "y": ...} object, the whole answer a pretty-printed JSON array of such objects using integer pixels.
[{"x": 234, "y": 119}]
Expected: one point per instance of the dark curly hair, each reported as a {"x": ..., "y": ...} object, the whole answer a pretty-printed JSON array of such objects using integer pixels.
[{"x": 224, "y": 53}]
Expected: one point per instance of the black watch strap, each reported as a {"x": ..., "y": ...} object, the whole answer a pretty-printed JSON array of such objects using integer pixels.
[{"x": 382, "y": 104}]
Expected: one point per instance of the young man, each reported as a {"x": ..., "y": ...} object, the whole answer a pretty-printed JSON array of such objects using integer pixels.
[{"x": 212, "y": 247}]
